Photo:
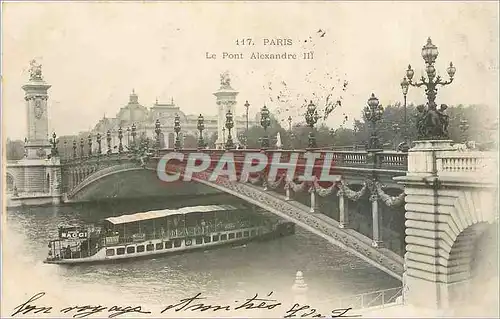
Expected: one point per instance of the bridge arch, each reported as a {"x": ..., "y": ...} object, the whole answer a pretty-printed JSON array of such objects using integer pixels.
[{"x": 278, "y": 205}]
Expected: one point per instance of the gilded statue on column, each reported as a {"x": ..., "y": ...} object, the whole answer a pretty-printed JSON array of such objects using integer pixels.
[{"x": 35, "y": 70}]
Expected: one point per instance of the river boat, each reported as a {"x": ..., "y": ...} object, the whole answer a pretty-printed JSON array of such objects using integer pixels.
[{"x": 161, "y": 232}]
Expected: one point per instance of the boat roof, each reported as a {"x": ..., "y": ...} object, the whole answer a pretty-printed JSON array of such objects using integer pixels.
[{"x": 153, "y": 214}]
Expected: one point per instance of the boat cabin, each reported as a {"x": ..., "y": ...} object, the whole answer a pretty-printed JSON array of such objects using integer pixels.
[{"x": 177, "y": 223}]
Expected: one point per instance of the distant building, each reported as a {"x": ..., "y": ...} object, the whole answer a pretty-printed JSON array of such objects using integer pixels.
[{"x": 144, "y": 120}]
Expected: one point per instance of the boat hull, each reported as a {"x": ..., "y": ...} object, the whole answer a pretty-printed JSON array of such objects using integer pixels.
[{"x": 102, "y": 255}]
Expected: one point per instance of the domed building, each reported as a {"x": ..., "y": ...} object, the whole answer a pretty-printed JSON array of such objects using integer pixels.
[{"x": 133, "y": 113}]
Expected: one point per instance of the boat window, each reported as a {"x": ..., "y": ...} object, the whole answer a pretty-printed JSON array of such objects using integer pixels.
[
  {"x": 238, "y": 235},
  {"x": 223, "y": 237},
  {"x": 253, "y": 232},
  {"x": 245, "y": 233},
  {"x": 150, "y": 247},
  {"x": 130, "y": 249},
  {"x": 110, "y": 252},
  {"x": 120, "y": 251},
  {"x": 140, "y": 248},
  {"x": 199, "y": 240},
  {"x": 159, "y": 246},
  {"x": 168, "y": 244},
  {"x": 215, "y": 237},
  {"x": 231, "y": 235},
  {"x": 207, "y": 239},
  {"x": 177, "y": 243}
]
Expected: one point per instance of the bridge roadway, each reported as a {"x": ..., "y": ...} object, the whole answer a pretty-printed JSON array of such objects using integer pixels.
[{"x": 79, "y": 174}]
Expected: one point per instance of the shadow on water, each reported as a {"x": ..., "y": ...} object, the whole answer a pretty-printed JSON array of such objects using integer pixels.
[{"x": 256, "y": 267}]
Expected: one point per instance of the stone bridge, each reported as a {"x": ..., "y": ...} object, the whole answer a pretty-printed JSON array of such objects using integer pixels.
[
  {"x": 362, "y": 169},
  {"x": 446, "y": 210}
]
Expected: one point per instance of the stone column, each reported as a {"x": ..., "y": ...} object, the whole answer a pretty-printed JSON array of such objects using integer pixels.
[
  {"x": 226, "y": 101},
  {"x": 343, "y": 210},
  {"x": 376, "y": 242},
  {"x": 312, "y": 191}
]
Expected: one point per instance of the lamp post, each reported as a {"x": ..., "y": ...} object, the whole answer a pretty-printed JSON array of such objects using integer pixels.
[
  {"x": 396, "y": 129},
  {"x": 82, "y": 143},
  {"x": 404, "y": 87},
  {"x": 89, "y": 140},
  {"x": 120, "y": 136},
  {"x": 108, "y": 140},
  {"x": 247, "y": 105},
  {"x": 290, "y": 130},
  {"x": 99, "y": 149},
  {"x": 332, "y": 132},
  {"x": 464, "y": 126},
  {"x": 158, "y": 135},
  {"x": 431, "y": 123},
  {"x": 128, "y": 137},
  {"x": 177, "y": 129},
  {"x": 201, "y": 127},
  {"x": 229, "y": 126},
  {"x": 54, "y": 151},
  {"x": 265, "y": 121},
  {"x": 373, "y": 112},
  {"x": 74, "y": 148},
  {"x": 311, "y": 119},
  {"x": 134, "y": 134}
]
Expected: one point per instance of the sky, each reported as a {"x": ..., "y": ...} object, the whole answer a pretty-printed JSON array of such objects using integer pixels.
[{"x": 94, "y": 54}]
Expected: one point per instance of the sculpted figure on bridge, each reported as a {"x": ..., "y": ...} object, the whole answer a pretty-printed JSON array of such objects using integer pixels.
[
  {"x": 432, "y": 123},
  {"x": 225, "y": 80},
  {"x": 35, "y": 70}
]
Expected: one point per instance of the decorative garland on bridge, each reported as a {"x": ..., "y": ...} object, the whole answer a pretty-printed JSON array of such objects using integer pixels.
[
  {"x": 275, "y": 184},
  {"x": 349, "y": 193},
  {"x": 390, "y": 201},
  {"x": 254, "y": 180},
  {"x": 321, "y": 191},
  {"x": 295, "y": 187}
]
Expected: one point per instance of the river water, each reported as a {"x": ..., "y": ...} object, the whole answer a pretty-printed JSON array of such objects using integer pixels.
[{"x": 220, "y": 274}]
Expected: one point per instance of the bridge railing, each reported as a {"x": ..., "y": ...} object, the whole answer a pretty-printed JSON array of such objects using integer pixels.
[
  {"x": 364, "y": 159},
  {"x": 380, "y": 298},
  {"x": 465, "y": 162}
]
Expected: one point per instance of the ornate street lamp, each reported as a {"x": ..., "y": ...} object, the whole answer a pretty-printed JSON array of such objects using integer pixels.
[
  {"x": 229, "y": 126},
  {"x": 120, "y": 136},
  {"x": 404, "y": 87},
  {"x": 177, "y": 129},
  {"x": 432, "y": 123},
  {"x": 312, "y": 118},
  {"x": 332, "y": 132},
  {"x": 247, "y": 105},
  {"x": 74, "y": 148},
  {"x": 373, "y": 112},
  {"x": 134, "y": 134},
  {"x": 81, "y": 148},
  {"x": 89, "y": 140},
  {"x": 99, "y": 149},
  {"x": 201, "y": 127},
  {"x": 396, "y": 129},
  {"x": 265, "y": 121},
  {"x": 464, "y": 126},
  {"x": 158, "y": 132},
  {"x": 108, "y": 140},
  {"x": 54, "y": 142}
]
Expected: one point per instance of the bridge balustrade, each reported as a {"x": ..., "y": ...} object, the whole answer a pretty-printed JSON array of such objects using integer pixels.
[{"x": 465, "y": 162}]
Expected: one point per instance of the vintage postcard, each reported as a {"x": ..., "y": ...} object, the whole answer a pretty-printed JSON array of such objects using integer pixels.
[{"x": 216, "y": 159}]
